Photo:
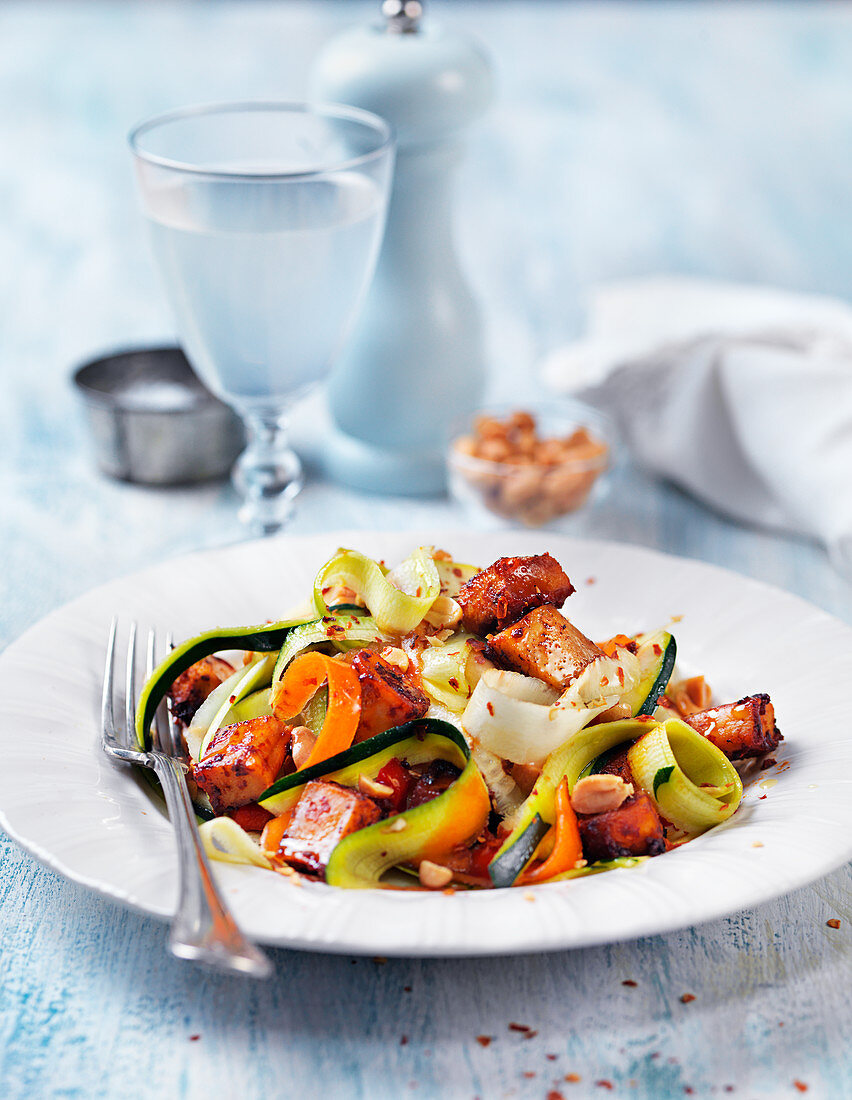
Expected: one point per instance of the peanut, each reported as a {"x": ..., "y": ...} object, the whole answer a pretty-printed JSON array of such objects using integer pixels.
[
  {"x": 396, "y": 657},
  {"x": 301, "y": 745},
  {"x": 444, "y": 613},
  {"x": 372, "y": 788},
  {"x": 433, "y": 876},
  {"x": 595, "y": 794}
]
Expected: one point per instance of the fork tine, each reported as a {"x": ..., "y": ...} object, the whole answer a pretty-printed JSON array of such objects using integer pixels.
[
  {"x": 175, "y": 742},
  {"x": 107, "y": 716},
  {"x": 161, "y": 733},
  {"x": 130, "y": 692}
]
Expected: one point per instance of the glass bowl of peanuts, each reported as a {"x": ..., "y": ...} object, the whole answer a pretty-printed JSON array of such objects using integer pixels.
[{"x": 530, "y": 467}]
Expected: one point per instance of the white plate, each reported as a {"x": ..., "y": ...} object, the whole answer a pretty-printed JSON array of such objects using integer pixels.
[{"x": 95, "y": 823}]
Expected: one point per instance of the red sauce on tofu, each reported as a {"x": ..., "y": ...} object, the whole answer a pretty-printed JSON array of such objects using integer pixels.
[
  {"x": 242, "y": 761},
  {"x": 324, "y": 815},
  {"x": 508, "y": 589},
  {"x": 388, "y": 696}
]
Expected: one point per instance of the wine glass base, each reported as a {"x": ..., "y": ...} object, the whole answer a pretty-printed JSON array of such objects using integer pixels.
[
  {"x": 267, "y": 517},
  {"x": 268, "y": 476}
]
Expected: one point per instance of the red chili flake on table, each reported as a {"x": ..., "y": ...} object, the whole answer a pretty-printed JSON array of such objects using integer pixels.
[
  {"x": 554, "y": 1095},
  {"x": 406, "y": 989},
  {"x": 529, "y": 1074},
  {"x": 604, "y": 1084},
  {"x": 194, "y": 1038},
  {"x": 833, "y": 923},
  {"x": 800, "y": 1085},
  {"x": 519, "y": 1027},
  {"x": 530, "y": 1034},
  {"x": 573, "y": 1078},
  {"x": 630, "y": 982},
  {"x": 687, "y": 997},
  {"x": 591, "y": 580},
  {"x": 403, "y": 1041},
  {"x": 551, "y": 1057},
  {"x": 688, "y": 1089},
  {"x": 484, "y": 1040}
]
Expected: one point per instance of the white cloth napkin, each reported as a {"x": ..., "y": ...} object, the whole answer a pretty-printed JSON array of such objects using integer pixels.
[{"x": 741, "y": 395}]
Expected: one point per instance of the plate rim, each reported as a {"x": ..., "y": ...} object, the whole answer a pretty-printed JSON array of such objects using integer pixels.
[{"x": 714, "y": 910}]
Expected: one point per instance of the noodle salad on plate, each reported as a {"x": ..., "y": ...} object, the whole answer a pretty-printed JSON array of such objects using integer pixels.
[{"x": 436, "y": 725}]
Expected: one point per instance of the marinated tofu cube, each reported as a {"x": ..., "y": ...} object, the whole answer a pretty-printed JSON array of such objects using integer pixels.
[
  {"x": 742, "y": 729},
  {"x": 617, "y": 762},
  {"x": 193, "y": 686},
  {"x": 634, "y": 829},
  {"x": 508, "y": 589},
  {"x": 324, "y": 815},
  {"x": 242, "y": 761},
  {"x": 389, "y": 696},
  {"x": 546, "y": 645}
]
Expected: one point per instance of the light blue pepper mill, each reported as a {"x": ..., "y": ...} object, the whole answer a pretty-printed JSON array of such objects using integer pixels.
[{"x": 416, "y": 358}]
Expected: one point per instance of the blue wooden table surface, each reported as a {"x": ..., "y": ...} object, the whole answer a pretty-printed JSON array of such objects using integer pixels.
[{"x": 628, "y": 138}]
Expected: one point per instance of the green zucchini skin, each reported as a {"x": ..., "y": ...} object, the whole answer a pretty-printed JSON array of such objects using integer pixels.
[
  {"x": 265, "y": 638},
  {"x": 329, "y": 630},
  {"x": 505, "y": 869},
  {"x": 357, "y": 754},
  {"x": 661, "y": 681}
]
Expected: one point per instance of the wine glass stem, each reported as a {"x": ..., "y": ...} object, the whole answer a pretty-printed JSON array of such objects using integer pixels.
[{"x": 268, "y": 474}]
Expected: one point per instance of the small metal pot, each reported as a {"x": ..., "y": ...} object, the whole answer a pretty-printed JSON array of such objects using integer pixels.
[{"x": 154, "y": 422}]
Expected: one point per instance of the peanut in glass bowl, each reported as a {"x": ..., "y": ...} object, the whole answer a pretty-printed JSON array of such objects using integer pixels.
[{"x": 529, "y": 466}]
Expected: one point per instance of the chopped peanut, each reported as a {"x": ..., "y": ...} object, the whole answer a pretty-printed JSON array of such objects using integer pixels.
[
  {"x": 444, "y": 613},
  {"x": 301, "y": 745},
  {"x": 372, "y": 788},
  {"x": 532, "y": 479},
  {"x": 595, "y": 794},
  {"x": 433, "y": 876},
  {"x": 396, "y": 657}
]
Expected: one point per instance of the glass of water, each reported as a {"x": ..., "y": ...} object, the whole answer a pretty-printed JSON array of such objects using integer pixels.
[{"x": 266, "y": 221}]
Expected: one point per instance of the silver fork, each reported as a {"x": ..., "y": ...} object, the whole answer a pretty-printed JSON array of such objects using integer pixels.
[{"x": 203, "y": 928}]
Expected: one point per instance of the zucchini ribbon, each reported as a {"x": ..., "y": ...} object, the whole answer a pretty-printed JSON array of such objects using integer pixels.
[
  {"x": 397, "y": 600},
  {"x": 692, "y": 783},
  {"x": 430, "y": 830}
]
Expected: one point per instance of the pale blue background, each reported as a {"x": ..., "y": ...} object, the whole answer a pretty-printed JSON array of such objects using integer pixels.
[{"x": 629, "y": 138}]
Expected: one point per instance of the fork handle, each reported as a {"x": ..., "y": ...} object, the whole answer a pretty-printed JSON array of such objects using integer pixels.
[{"x": 202, "y": 928}]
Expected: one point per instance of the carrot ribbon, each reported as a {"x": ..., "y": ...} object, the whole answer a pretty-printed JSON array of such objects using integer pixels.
[
  {"x": 567, "y": 848},
  {"x": 305, "y": 675}
]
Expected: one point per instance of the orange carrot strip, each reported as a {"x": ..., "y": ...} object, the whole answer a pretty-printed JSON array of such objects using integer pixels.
[
  {"x": 303, "y": 678},
  {"x": 568, "y": 847},
  {"x": 274, "y": 830}
]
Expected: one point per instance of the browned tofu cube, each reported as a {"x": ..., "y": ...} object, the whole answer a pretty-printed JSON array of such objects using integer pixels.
[
  {"x": 324, "y": 815},
  {"x": 634, "y": 829},
  {"x": 546, "y": 645},
  {"x": 389, "y": 696},
  {"x": 506, "y": 590},
  {"x": 242, "y": 761},
  {"x": 742, "y": 729},
  {"x": 192, "y": 687},
  {"x": 617, "y": 763}
]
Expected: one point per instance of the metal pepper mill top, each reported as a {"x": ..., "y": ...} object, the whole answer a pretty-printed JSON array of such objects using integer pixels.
[{"x": 416, "y": 359}]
